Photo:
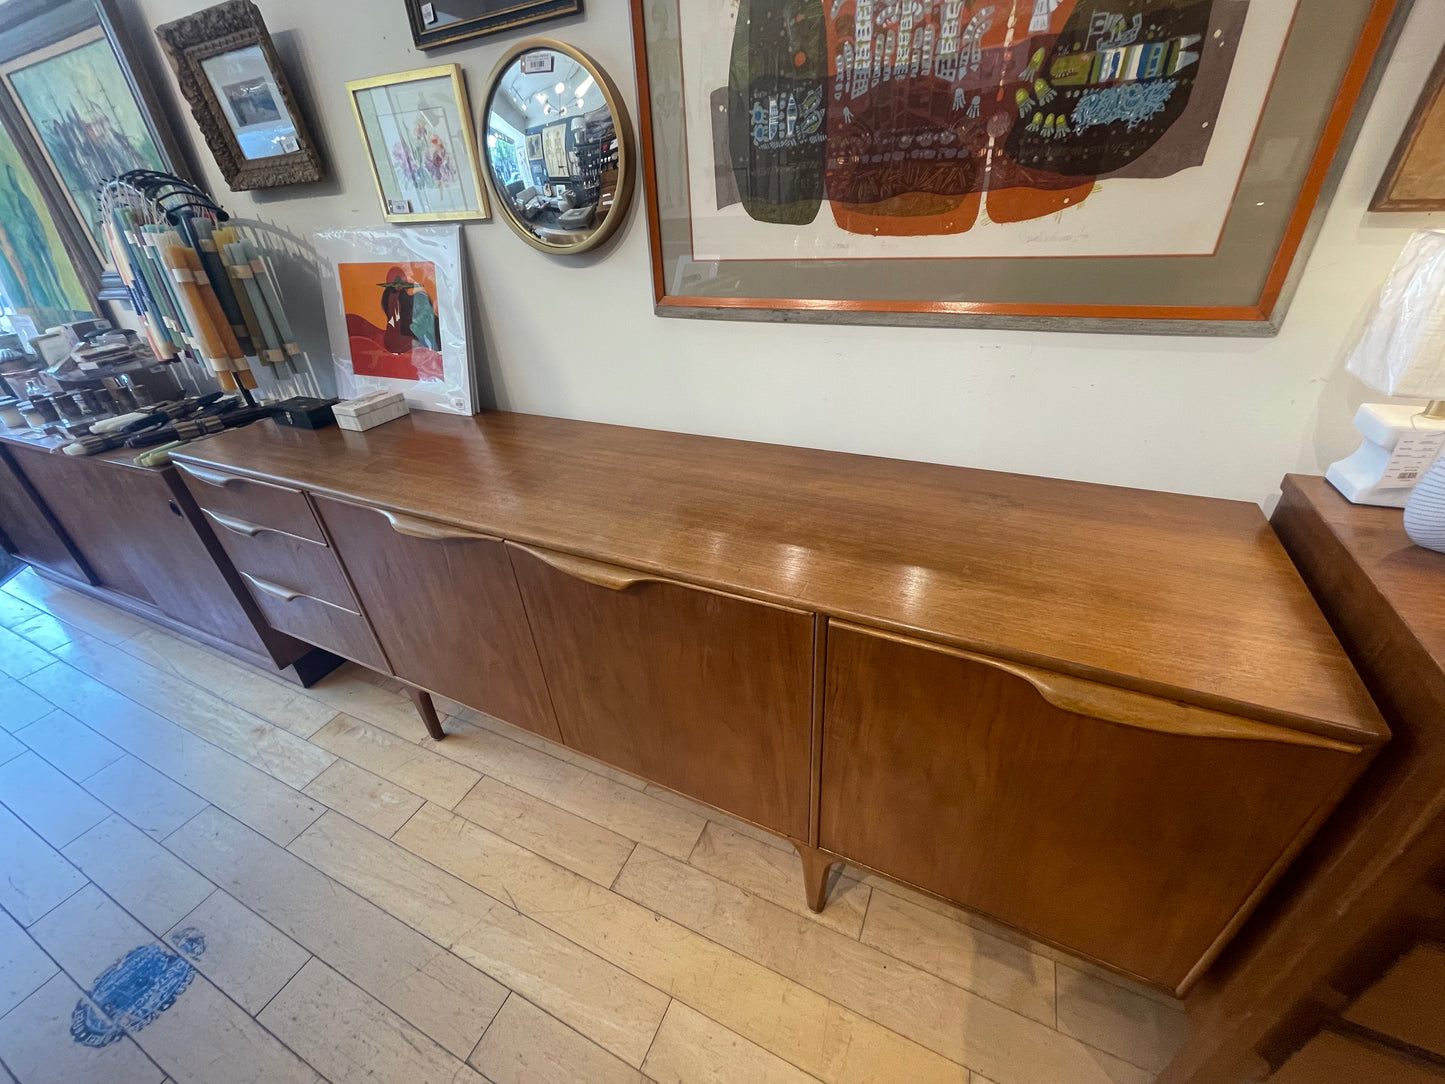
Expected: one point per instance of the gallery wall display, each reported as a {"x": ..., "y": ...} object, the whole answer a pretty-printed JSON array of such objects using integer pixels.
[
  {"x": 959, "y": 163},
  {"x": 559, "y": 150},
  {"x": 419, "y": 139},
  {"x": 1414, "y": 180},
  {"x": 396, "y": 314},
  {"x": 226, "y": 66},
  {"x": 442, "y": 22}
]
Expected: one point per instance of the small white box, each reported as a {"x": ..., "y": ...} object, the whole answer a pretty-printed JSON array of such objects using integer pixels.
[{"x": 368, "y": 411}]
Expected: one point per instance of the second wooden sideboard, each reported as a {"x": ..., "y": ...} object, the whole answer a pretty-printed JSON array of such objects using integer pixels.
[{"x": 1107, "y": 717}]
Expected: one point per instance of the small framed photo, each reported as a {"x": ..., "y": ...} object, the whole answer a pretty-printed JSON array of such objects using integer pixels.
[
  {"x": 228, "y": 73},
  {"x": 418, "y": 134}
]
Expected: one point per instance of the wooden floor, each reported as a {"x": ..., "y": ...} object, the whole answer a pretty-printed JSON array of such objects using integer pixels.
[{"x": 361, "y": 903}]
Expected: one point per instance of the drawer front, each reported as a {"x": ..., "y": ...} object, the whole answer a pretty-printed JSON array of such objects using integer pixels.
[
  {"x": 446, "y": 608},
  {"x": 1337, "y": 1059},
  {"x": 284, "y": 559},
  {"x": 1407, "y": 1003},
  {"x": 706, "y": 693},
  {"x": 320, "y": 623},
  {"x": 260, "y": 503},
  {"x": 1131, "y": 830}
]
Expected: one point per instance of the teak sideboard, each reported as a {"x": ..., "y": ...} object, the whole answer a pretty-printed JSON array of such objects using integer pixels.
[{"x": 1106, "y": 717}]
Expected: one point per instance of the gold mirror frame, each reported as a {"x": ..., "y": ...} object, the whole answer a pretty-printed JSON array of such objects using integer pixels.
[{"x": 626, "y": 149}]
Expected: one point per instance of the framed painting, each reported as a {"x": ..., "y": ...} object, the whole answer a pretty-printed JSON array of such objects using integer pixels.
[
  {"x": 79, "y": 106},
  {"x": 1414, "y": 179},
  {"x": 421, "y": 142},
  {"x": 1125, "y": 165},
  {"x": 442, "y": 22},
  {"x": 37, "y": 275},
  {"x": 396, "y": 314},
  {"x": 228, "y": 72}
]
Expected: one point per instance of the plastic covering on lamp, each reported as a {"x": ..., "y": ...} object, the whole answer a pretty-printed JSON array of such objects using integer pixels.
[{"x": 1401, "y": 349}]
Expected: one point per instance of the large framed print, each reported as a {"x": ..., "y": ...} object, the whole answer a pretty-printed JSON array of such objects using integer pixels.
[
  {"x": 1132, "y": 165},
  {"x": 88, "y": 122}
]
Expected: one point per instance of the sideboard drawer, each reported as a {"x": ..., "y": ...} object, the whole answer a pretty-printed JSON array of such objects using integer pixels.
[
  {"x": 320, "y": 623},
  {"x": 706, "y": 693},
  {"x": 1123, "y": 827},
  {"x": 286, "y": 559},
  {"x": 261, "y": 503}
]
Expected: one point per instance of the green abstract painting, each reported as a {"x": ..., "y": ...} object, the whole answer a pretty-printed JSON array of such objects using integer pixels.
[
  {"x": 36, "y": 274},
  {"x": 86, "y": 119}
]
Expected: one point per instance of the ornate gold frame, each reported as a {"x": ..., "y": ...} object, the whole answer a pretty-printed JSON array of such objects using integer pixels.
[
  {"x": 236, "y": 24},
  {"x": 464, "y": 111},
  {"x": 626, "y": 148}
]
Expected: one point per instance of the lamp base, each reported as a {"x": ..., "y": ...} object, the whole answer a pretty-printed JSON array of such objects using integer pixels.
[{"x": 1380, "y": 426}]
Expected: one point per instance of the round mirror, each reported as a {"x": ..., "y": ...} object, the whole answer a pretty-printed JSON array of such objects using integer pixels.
[{"x": 558, "y": 146}]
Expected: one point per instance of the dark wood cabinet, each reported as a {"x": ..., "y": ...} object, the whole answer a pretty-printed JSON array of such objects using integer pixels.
[
  {"x": 706, "y": 693},
  {"x": 134, "y": 536},
  {"x": 1078, "y": 812},
  {"x": 30, "y": 529},
  {"x": 87, "y": 502},
  {"x": 463, "y": 633}
]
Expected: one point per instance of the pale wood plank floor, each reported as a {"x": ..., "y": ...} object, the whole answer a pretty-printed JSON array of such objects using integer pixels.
[{"x": 376, "y": 906}]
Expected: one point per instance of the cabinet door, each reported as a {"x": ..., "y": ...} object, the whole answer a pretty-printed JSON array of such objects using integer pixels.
[
  {"x": 33, "y": 534},
  {"x": 83, "y": 497},
  {"x": 446, "y": 609},
  {"x": 703, "y": 692},
  {"x": 1133, "y": 830}
]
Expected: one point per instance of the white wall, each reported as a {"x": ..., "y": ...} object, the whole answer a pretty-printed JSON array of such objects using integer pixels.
[{"x": 1224, "y": 417}]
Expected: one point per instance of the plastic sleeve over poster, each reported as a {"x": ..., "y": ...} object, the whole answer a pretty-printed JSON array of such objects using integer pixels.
[{"x": 396, "y": 314}]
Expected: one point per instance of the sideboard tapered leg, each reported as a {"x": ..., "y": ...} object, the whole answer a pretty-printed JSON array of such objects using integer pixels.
[
  {"x": 428, "y": 712},
  {"x": 816, "y": 865}
]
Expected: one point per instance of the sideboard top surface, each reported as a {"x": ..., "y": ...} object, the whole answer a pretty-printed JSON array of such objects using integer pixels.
[{"x": 1187, "y": 597}]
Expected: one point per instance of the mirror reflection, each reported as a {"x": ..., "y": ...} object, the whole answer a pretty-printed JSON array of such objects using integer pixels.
[{"x": 552, "y": 147}]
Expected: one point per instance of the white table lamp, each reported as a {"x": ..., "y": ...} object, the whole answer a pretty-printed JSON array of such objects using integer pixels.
[{"x": 1400, "y": 352}]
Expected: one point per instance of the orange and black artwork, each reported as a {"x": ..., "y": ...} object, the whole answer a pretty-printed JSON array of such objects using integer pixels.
[{"x": 909, "y": 117}]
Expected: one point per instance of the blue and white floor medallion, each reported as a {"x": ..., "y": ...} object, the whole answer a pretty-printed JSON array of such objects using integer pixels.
[{"x": 132, "y": 992}]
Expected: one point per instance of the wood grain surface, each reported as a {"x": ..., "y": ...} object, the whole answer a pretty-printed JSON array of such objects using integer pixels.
[
  {"x": 707, "y": 694},
  {"x": 1086, "y": 833},
  {"x": 447, "y": 611},
  {"x": 1185, "y": 597}
]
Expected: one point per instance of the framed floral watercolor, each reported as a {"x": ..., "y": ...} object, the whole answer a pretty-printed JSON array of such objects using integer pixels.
[
  {"x": 417, "y": 130},
  {"x": 1153, "y": 166}
]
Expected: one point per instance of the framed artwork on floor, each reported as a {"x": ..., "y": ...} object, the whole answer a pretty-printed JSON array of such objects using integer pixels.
[
  {"x": 1125, "y": 165},
  {"x": 1414, "y": 180},
  {"x": 421, "y": 141},
  {"x": 396, "y": 314}
]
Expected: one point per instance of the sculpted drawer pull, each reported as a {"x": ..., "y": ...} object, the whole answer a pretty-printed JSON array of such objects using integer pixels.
[
  {"x": 415, "y": 527},
  {"x": 1126, "y": 707},
  {"x": 211, "y": 477},
  {"x": 1144, "y": 712},
  {"x": 238, "y": 526},
  {"x": 612, "y": 577},
  {"x": 266, "y": 587}
]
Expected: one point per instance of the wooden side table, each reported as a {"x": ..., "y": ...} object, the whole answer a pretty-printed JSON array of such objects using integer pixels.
[{"x": 1326, "y": 982}]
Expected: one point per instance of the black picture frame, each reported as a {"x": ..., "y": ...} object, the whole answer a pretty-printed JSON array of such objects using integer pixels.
[{"x": 426, "y": 34}]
